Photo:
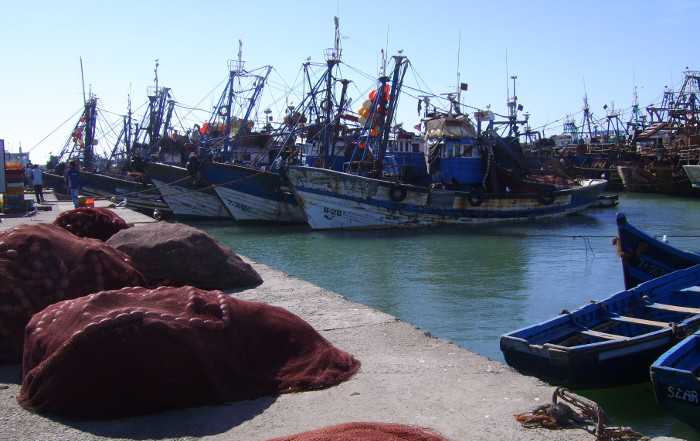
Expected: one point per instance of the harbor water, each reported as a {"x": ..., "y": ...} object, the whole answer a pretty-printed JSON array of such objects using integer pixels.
[{"x": 471, "y": 284}]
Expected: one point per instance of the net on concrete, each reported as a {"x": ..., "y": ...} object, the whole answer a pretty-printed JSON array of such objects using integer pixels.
[
  {"x": 95, "y": 222},
  {"x": 367, "y": 431},
  {"x": 41, "y": 264},
  {"x": 177, "y": 254},
  {"x": 137, "y": 351}
]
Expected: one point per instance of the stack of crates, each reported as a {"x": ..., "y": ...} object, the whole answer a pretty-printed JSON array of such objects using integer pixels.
[{"x": 13, "y": 200}]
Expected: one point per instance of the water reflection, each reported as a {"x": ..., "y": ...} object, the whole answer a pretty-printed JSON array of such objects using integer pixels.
[{"x": 471, "y": 284}]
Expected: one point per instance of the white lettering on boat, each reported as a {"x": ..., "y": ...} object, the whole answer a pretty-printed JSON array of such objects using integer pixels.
[
  {"x": 650, "y": 268},
  {"x": 682, "y": 394}
]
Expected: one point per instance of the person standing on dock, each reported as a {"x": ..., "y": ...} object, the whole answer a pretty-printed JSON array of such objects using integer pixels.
[
  {"x": 38, "y": 183},
  {"x": 28, "y": 176},
  {"x": 73, "y": 182}
]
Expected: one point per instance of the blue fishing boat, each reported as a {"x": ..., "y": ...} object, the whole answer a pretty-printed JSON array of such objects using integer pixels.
[
  {"x": 611, "y": 342},
  {"x": 645, "y": 257},
  {"x": 675, "y": 379},
  {"x": 255, "y": 192},
  {"x": 227, "y": 136}
]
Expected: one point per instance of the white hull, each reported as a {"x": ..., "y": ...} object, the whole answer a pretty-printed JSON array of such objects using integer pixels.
[
  {"x": 336, "y": 200},
  {"x": 693, "y": 172}
]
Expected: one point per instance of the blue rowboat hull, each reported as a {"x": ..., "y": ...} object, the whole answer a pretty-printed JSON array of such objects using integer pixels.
[{"x": 676, "y": 384}]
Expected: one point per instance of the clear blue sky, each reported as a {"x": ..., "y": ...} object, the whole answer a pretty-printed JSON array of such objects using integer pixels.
[{"x": 559, "y": 51}]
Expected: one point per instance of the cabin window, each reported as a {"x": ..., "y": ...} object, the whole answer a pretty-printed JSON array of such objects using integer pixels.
[
  {"x": 416, "y": 148},
  {"x": 449, "y": 151}
]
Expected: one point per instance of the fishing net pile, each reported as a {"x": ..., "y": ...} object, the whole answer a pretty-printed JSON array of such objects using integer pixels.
[
  {"x": 177, "y": 254},
  {"x": 96, "y": 222},
  {"x": 41, "y": 264},
  {"x": 137, "y": 350},
  {"x": 367, "y": 432}
]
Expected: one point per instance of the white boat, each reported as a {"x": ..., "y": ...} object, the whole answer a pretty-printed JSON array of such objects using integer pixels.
[
  {"x": 337, "y": 200},
  {"x": 253, "y": 195},
  {"x": 188, "y": 196}
]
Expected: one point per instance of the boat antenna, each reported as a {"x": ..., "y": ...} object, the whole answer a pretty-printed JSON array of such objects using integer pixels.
[
  {"x": 382, "y": 67},
  {"x": 239, "y": 68},
  {"x": 507, "y": 84},
  {"x": 82, "y": 77},
  {"x": 156, "y": 72},
  {"x": 337, "y": 37},
  {"x": 459, "y": 49}
]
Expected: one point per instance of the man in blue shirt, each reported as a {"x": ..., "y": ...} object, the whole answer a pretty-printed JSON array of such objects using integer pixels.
[{"x": 73, "y": 182}]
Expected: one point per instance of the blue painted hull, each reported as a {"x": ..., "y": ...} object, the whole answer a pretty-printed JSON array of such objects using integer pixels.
[
  {"x": 253, "y": 195},
  {"x": 645, "y": 257},
  {"x": 676, "y": 384},
  {"x": 612, "y": 342}
]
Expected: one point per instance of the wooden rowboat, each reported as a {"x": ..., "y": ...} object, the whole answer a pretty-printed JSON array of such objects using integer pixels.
[{"x": 612, "y": 342}]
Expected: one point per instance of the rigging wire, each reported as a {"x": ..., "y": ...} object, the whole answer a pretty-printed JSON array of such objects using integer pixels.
[{"x": 54, "y": 130}]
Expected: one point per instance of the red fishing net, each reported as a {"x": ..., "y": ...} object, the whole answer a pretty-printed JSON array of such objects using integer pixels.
[
  {"x": 41, "y": 264},
  {"x": 367, "y": 432},
  {"x": 177, "y": 254},
  {"x": 96, "y": 222},
  {"x": 137, "y": 351}
]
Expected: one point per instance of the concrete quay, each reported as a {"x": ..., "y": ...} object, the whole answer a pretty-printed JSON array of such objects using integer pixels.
[{"x": 407, "y": 377}]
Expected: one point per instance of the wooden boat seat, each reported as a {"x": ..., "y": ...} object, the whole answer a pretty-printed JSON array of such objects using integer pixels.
[
  {"x": 603, "y": 335},
  {"x": 639, "y": 321},
  {"x": 674, "y": 308}
]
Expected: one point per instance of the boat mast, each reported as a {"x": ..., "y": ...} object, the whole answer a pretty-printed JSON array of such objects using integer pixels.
[
  {"x": 90, "y": 123},
  {"x": 90, "y": 115},
  {"x": 400, "y": 68},
  {"x": 235, "y": 67},
  {"x": 332, "y": 59}
]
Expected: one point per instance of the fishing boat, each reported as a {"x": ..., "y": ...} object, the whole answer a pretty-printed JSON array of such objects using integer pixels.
[
  {"x": 99, "y": 175},
  {"x": 227, "y": 137},
  {"x": 255, "y": 192},
  {"x": 645, "y": 257},
  {"x": 675, "y": 377},
  {"x": 656, "y": 178},
  {"x": 476, "y": 176},
  {"x": 693, "y": 173},
  {"x": 115, "y": 172},
  {"x": 671, "y": 139},
  {"x": 611, "y": 342},
  {"x": 188, "y": 195}
]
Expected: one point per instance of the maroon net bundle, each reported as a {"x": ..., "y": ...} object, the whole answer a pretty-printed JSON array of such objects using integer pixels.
[
  {"x": 41, "y": 264},
  {"x": 177, "y": 254},
  {"x": 367, "y": 432},
  {"x": 95, "y": 222},
  {"x": 137, "y": 351}
]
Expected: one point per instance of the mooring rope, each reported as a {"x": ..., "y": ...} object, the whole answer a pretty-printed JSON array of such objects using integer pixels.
[{"x": 559, "y": 415}]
